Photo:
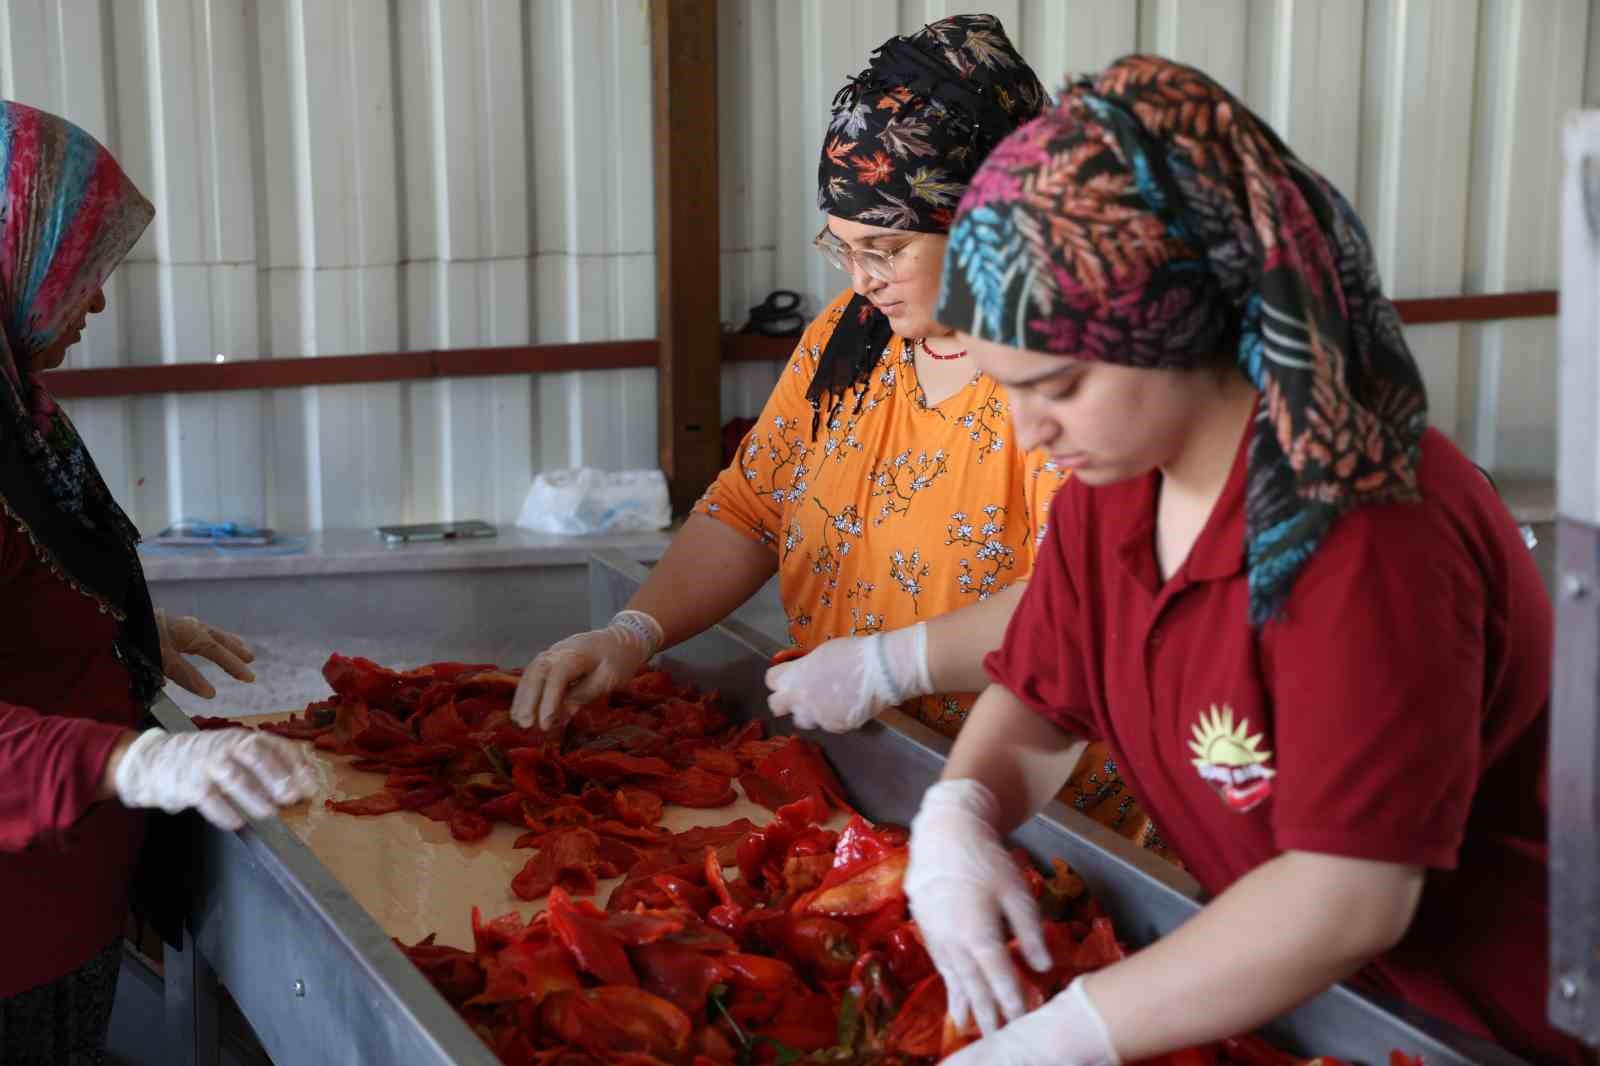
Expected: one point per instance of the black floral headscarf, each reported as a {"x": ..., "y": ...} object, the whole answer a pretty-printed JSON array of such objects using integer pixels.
[
  {"x": 1151, "y": 220},
  {"x": 907, "y": 135}
]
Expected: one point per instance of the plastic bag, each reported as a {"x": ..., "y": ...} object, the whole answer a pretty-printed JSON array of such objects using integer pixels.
[{"x": 586, "y": 501}]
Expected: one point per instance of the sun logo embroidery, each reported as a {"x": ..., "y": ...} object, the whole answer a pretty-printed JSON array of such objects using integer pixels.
[{"x": 1230, "y": 760}]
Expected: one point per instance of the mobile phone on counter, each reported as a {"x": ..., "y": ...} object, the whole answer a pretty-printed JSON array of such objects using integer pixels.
[{"x": 435, "y": 531}]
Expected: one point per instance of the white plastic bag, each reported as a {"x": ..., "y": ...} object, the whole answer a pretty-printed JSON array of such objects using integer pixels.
[{"x": 585, "y": 501}]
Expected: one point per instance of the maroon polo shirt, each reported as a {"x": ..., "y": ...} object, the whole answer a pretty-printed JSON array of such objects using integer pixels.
[{"x": 1396, "y": 711}]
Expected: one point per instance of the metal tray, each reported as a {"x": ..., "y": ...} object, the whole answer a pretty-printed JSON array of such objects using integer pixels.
[
  {"x": 321, "y": 982},
  {"x": 888, "y": 764}
]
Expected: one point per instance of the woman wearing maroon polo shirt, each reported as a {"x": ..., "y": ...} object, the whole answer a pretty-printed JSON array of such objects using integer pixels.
[
  {"x": 82, "y": 654},
  {"x": 1302, "y": 618}
]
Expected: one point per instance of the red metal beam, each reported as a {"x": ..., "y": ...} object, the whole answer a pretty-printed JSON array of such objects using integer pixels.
[
  {"x": 1484, "y": 308},
  {"x": 597, "y": 355}
]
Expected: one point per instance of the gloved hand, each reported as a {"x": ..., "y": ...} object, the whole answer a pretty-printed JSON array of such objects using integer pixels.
[
  {"x": 591, "y": 663},
  {"x": 1067, "y": 1031},
  {"x": 842, "y": 684},
  {"x": 185, "y": 635},
  {"x": 229, "y": 775},
  {"x": 960, "y": 881}
]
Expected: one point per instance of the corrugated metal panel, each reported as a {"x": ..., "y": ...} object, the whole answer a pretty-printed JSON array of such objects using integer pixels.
[{"x": 396, "y": 174}]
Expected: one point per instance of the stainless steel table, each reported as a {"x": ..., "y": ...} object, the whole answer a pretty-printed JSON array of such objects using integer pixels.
[{"x": 321, "y": 982}]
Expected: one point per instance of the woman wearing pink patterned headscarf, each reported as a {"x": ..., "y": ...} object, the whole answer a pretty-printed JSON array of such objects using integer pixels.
[{"x": 82, "y": 652}]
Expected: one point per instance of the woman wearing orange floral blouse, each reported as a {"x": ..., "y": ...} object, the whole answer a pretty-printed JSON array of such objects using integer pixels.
[{"x": 881, "y": 482}]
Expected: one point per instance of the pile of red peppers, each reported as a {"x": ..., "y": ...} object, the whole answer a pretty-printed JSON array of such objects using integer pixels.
[{"x": 807, "y": 954}]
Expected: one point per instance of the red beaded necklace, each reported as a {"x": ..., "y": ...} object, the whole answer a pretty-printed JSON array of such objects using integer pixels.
[{"x": 935, "y": 355}]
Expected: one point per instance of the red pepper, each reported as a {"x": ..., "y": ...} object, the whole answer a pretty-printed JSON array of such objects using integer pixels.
[
  {"x": 581, "y": 929},
  {"x": 453, "y": 972},
  {"x": 870, "y": 888},
  {"x": 610, "y": 1022},
  {"x": 918, "y": 1027},
  {"x": 678, "y": 973},
  {"x": 822, "y": 945},
  {"x": 469, "y": 825},
  {"x": 908, "y": 957}
]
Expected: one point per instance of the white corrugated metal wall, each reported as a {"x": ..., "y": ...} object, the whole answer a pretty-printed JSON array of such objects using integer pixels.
[{"x": 338, "y": 176}]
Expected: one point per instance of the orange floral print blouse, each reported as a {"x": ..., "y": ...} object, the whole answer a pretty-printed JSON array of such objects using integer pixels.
[{"x": 895, "y": 512}]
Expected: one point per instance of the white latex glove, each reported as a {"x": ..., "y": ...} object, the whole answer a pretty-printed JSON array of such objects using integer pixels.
[
  {"x": 185, "y": 635},
  {"x": 582, "y": 668},
  {"x": 1067, "y": 1031},
  {"x": 842, "y": 684},
  {"x": 960, "y": 882},
  {"x": 228, "y": 775}
]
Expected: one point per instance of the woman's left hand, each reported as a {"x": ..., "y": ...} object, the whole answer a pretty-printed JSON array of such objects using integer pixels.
[
  {"x": 183, "y": 635},
  {"x": 844, "y": 683},
  {"x": 1067, "y": 1031}
]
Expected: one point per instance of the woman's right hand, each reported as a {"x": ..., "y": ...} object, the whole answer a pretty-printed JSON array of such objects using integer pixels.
[
  {"x": 964, "y": 888},
  {"x": 582, "y": 668},
  {"x": 228, "y": 775}
]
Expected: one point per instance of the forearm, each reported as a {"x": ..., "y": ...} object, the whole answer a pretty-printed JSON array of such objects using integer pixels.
[
  {"x": 52, "y": 770},
  {"x": 708, "y": 571},
  {"x": 1022, "y": 757},
  {"x": 958, "y": 641},
  {"x": 1285, "y": 932}
]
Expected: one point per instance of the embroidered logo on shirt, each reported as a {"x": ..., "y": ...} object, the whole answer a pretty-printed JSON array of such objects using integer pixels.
[{"x": 1230, "y": 760}]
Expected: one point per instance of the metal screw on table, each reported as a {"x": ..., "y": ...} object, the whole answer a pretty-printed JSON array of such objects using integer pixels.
[
  {"x": 1568, "y": 987},
  {"x": 299, "y": 987},
  {"x": 1574, "y": 587}
]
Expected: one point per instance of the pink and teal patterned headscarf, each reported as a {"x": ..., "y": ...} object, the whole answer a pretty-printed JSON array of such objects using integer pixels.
[
  {"x": 68, "y": 216},
  {"x": 1150, "y": 219}
]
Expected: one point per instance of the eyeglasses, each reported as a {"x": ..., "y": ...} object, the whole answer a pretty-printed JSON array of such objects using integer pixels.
[{"x": 876, "y": 264}]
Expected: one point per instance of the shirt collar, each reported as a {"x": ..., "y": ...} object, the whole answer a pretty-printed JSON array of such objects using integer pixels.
[{"x": 1219, "y": 551}]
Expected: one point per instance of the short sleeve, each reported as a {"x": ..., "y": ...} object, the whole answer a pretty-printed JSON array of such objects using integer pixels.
[
  {"x": 1041, "y": 661},
  {"x": 1376, "y": 674},
  {"x": 769, "y": 472},
  {"x": 1042, "y": 480}
]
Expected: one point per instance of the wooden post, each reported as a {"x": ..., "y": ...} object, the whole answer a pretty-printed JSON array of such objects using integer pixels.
[{"x": 683, "y": 49}]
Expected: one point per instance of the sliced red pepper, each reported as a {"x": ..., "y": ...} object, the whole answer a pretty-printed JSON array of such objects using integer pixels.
[
  {"x": 208, "y": 721},
  {"x": 614, "y": 765},
  {"x": 870, "y": 888},
  {"x": 568, "y": 859},
  {"x": 824, "y": 946},
  {"x": 580, "y": 927},
  {"x": 468, "y": 825},
  {"x": 532, "y": 970},
  {"x": 908, "y": 956},
  {"x": 615, "y": 1021},
  {"x": 791, "y": 772},
  {"x": 636, "y": 806},
  {"x": 917, "y": 1029},
  {"x": 692, "y": 787},
  {"x": 677, "y": 973},
  {"x": 805, "y": 1021},
  {"x": 455, "y": 973},
  {"x": 717, "y": 761},
  {"x": 512, "y": 807},
  {"x": 537, "y": 773}
]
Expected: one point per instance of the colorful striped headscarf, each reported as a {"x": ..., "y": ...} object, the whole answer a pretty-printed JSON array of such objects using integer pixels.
[
  {"x": 1150, "y": 219},
  {"x": 68, "y": 216}
]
